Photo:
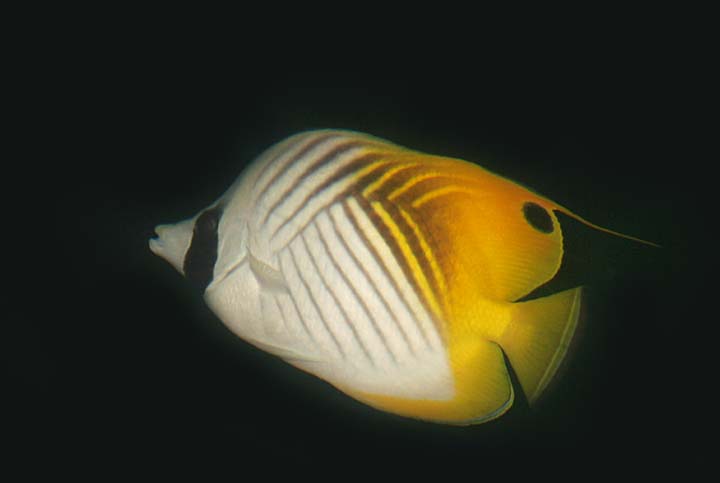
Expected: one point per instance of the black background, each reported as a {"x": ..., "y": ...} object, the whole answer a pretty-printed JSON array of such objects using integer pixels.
[{"x": 109, "y": 352}]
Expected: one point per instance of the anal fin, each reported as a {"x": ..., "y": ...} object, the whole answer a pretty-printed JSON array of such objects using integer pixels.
[
  {"x": 482, "y": 389},
  {"x": 286, "y": 353}
]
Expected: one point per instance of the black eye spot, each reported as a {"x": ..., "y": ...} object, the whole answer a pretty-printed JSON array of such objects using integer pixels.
[
  {"x": 538, "y": 217},
  {"x": 202, "y": 254}
]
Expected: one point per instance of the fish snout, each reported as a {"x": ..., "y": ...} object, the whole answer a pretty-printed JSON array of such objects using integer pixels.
[{"x": 172, "y": 242}]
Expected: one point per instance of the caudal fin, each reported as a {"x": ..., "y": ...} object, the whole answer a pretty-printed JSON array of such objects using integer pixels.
[{"x": 537, "y": 339}]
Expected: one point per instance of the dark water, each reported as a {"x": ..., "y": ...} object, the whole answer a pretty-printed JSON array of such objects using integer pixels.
[{"x": 114, "y": 351}]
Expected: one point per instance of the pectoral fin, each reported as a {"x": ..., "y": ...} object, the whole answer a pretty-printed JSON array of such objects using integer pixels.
[{"x": 269, "y": 278}]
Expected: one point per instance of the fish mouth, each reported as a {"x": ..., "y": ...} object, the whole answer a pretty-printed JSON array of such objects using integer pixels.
[
  {"x": 171, "y": 242},
  {"x": 156, "y": 245},
  {"x": 156, "y": 242}
]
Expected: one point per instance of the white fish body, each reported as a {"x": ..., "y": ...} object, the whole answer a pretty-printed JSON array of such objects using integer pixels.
[{"x": 305, "y": 275}]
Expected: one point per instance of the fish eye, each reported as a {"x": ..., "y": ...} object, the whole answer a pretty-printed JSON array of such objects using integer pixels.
[
  {"x": 538, "y": 217},
  {"x": 201, "y": 256},
  {"x": 206, "y": 223}
]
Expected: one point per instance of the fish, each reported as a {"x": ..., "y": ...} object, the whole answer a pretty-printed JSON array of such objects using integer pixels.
[{"x": 403, "y": 279}]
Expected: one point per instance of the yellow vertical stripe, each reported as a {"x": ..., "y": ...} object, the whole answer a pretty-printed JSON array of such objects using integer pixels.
[
  {"x": 434, "y": 266},
  {"x": 409, "y": 257},
  {"x": 431, "y": 195},
  {"x": 368, "y": 169},
  {"x": 415, "y": 180},
  {"x": 377, "y": 184},
  {"x": 410, "y": 183}
]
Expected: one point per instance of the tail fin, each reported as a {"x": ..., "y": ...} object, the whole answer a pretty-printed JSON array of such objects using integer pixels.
[{"x": 537, "y": 339}]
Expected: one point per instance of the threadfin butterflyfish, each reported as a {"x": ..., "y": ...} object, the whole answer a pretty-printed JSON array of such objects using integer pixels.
[{"x": 398, "y": 277}]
